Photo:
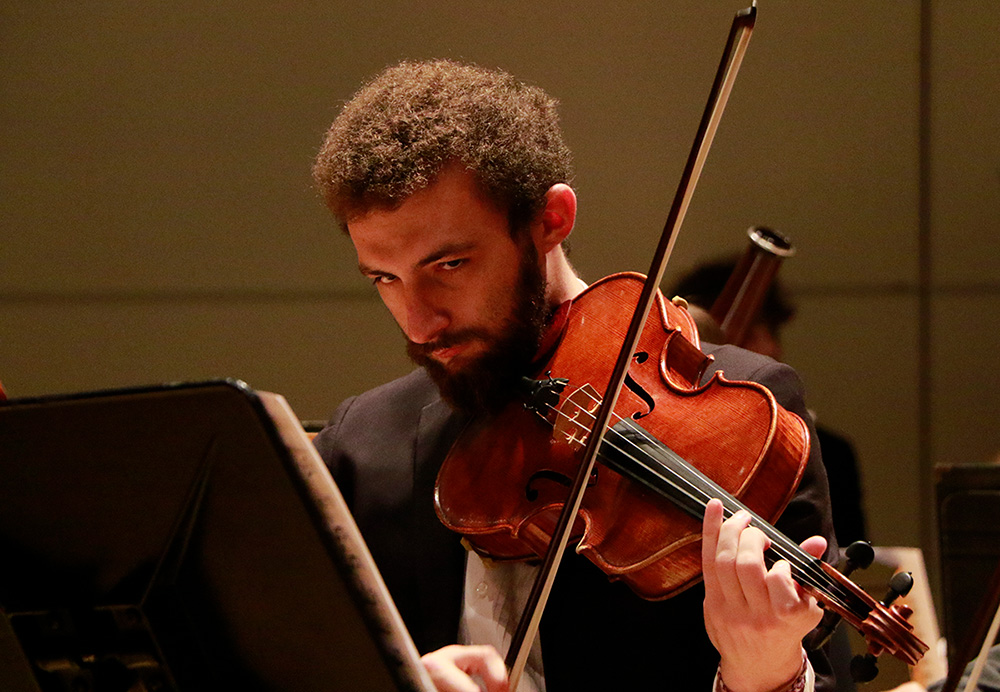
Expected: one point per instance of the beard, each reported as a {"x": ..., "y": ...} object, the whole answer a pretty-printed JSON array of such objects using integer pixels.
[{"x": 490, "y": 381}]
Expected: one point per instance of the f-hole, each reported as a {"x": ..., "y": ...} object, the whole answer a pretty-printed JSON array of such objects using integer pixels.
[{"x": 634, "y": 387}]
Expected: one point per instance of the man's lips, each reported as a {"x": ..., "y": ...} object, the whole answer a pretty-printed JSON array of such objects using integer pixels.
[
  {"x": 444, "y": 355},
  {"x": 452, "y": 347}
]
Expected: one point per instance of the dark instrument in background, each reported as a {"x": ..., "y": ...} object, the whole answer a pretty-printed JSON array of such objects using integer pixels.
[{"x": 738, "y": 305}]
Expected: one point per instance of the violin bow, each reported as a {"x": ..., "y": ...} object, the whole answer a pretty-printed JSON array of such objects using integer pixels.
[{"x": 732, "y": 57}]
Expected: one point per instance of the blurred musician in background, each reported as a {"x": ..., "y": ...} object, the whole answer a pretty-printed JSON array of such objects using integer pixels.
[{"x": 701, "y": 286}]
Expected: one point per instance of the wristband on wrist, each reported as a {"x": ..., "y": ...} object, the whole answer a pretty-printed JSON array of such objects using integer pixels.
[{"x": 800, "y": 683}]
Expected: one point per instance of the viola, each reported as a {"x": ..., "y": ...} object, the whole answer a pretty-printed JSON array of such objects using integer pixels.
[
  {"x": 641, "y": 514},
  {"x": 570, "y": 424},
  {"x": 505, "y": 479}
]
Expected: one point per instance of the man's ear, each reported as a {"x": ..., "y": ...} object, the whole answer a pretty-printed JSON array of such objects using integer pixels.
[{"x": 556, "y": 220}]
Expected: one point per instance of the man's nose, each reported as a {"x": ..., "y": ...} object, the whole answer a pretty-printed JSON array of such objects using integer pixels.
[{"x": 425, "y": 318}]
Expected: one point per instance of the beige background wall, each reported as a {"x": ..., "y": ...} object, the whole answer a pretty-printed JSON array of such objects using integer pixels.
[{"x": 157, "y": 221}]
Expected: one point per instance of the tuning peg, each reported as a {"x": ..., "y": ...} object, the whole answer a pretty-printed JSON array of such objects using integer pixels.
[
  {"x": 899, "y": 585},
  {"x": 864, "y": 668},
  {"x": 860, "y": 555}
]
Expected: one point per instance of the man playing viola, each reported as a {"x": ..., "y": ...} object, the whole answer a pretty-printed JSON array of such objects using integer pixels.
[{"x": 453, "y": 185}]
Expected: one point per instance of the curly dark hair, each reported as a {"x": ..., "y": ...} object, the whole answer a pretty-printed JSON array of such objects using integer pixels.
[{"x": 401, "y": 129}]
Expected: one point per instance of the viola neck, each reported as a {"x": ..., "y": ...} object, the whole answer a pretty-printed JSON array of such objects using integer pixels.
[{"x": 631, "y": 451}]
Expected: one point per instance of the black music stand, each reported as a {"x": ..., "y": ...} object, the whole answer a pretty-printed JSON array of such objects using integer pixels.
[
  {"x": 968, "y": 510},
  {"x": 183, "y": 537},
  {"x": 968, "y": 504}
]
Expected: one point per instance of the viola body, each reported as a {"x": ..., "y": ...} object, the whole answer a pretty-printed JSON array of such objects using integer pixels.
[{"x": 506, "y": 478}]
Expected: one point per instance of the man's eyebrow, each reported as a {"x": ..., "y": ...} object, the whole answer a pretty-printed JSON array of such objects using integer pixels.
[
  {"x": 435, "y": 256},
  {"x": 369, "y": 271},
  {"x": 445, "y": 251}
]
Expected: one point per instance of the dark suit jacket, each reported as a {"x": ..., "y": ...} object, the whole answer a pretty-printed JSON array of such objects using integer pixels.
[{"x": 384, "y": 448}]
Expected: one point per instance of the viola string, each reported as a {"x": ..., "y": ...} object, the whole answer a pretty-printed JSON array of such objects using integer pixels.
[{"x": 809, "y": 573}]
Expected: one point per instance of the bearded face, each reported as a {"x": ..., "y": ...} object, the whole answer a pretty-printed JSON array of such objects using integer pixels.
[{"x": 486, "y": 383}]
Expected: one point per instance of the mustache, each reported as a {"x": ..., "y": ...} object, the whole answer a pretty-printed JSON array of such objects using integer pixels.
[{"x": 446, "y": 341}]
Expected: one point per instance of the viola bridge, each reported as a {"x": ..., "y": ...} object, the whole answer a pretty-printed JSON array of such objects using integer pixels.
[{"x": 575, "y": 417}]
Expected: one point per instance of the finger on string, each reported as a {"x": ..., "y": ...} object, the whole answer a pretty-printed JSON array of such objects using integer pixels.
[
  {"x": 784, "y": 596},
  {"x": 710, "y": 542},
  {"x": 751, "y": 569},
  {"x": 727, "y": 554},
  {"x": 815, "y": 546}
]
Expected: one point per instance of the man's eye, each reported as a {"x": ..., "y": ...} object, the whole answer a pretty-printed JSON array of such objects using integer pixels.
[
  {"x": 382, "y": 279},
  {"x": 452, "y": 264}
]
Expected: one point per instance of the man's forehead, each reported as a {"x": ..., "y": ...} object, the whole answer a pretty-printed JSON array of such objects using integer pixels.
[{"x": 445, "y": 219}]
